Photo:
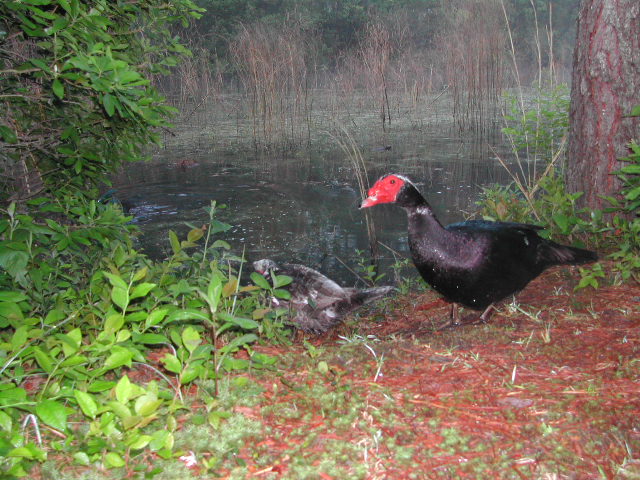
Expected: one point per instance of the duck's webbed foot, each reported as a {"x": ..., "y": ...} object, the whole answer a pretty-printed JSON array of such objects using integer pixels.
[
  {"x": 473, "y": 319},
  {"x": 486, "y": 315},
  {"x": 483, "y": 318},
  {"x": 454, "y": 318}
]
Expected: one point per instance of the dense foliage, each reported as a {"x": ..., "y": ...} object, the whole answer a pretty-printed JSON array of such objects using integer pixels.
[
  {"x": 79, "y": 306},
  {"x": 78, "y": 303},
  {"x": 76, "y": 94},
  {"x": 538, "y": 192}
]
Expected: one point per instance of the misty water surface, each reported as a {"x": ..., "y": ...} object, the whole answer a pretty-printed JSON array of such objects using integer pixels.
[{"x": 303, "y": 207}]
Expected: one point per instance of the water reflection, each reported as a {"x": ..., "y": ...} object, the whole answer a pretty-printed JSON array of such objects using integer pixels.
[{"x": 303, "y": 208}]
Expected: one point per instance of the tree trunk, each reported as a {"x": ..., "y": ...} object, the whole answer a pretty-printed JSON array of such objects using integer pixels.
[{"x": 605, "y": 87}]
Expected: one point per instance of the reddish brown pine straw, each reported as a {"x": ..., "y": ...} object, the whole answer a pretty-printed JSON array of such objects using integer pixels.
[
  {"x": 571, "y": 367},
  {"x": 549, "y": 389}
]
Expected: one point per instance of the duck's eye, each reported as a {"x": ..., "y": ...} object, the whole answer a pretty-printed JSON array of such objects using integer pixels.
[{"x": 392, "y": 182}]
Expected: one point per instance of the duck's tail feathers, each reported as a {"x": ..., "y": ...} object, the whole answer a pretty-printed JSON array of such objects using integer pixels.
[
  {"x": 563, "y": 254},
  {"x": 368, "y": 295}
]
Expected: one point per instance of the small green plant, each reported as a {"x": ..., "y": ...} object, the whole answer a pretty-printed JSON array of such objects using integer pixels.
[
  {"x": 627, "y": 225},
  {"x": 405, "y": 283},
  {"x": 536, "y": 132},
  {"x": 366, "y": 270},
  {"x": 270, "y": 311},
  {"x": 546, "y": 201}
]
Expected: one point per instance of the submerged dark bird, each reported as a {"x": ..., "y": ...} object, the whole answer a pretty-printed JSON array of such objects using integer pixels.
[
  {"x": 317, "y": 302},
  {"x": 474, "y": 263}
]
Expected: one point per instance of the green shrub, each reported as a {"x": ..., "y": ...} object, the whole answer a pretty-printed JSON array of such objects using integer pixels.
[
  {"x": 544, "y": 200},
  {"x": 80, "y": 308},
  {"x": 77, "y": 97}
]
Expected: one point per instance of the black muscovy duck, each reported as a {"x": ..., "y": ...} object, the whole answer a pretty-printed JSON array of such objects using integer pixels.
[
  {"x": 474, "y": 263},
  {"x": 317, "y": 302}
]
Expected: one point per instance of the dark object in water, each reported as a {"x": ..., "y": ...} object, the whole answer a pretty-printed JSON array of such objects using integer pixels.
[
  {"x": 474, "y": 263},
  {"x": 319, "y": 303}
]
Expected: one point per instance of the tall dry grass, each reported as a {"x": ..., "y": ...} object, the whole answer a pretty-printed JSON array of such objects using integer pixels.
[
  {"x": 535, "y": 122},
  {"x": 473, "y": 61},
  {"x": 375, "y": 54},
  {"x": 273, "y": 66},
  {"x": 286, "y": 91}
]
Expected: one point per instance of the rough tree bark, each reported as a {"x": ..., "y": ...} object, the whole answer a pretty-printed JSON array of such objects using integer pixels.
[{"x": 605, "y": 87}]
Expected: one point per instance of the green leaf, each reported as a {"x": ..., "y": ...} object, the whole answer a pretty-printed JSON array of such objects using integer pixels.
[
  {"x": 238, "y": 342},
  {"x": 260, "y": 281},
  {"x": 12, "y": 395},
  {"x": 171, "y": 363},
  {"x": 147, "y": 405},
  {"x": 12, "y": 297},
  {"x": 8, "y": 134},
  {"x": 53, "y": 414},
  {"x": 113, "y": 460},
  {"x": 87, "y": 403},
  {"x": 29, "y": 451},
  {"x": 123, "y": 336},
  {"x": 231, "y": 363},
  {"x": 139, "y": 442},
  {"x": 632, "y": 169},
  {"x": 5, "y": 424},
  {"x": 58, "y": 88},
  {"x": 124, "y": 390},
  {"x": 587, "y": 282},
  {"x": 44, "y": 360},
  {"x": 73, "y": 361},
  {"x": 70, "y": 341},
  {"x": 19, "y": 337},
  {"x": 190, "y": 339},
  {"x": 120, "y": 297},
  {"x": 14, "y": 262},
  {"x": 562, "y": 221},
  {"x": 119, "y": 409},
  {"x": 281, "y": 281},
  {"x": 81, "y": 458},
  {"x": 113, "y": 323},
  {"x": 150, "y": 338},
  {"x": 141, "y": 290},
  {"x": 214, "y": 291},
  {"x": 54, "y": 316},
  {"x": 65, "y": 4},
  {"x": 175, "y": 243},
  {"x": 120, "y": 356},
  {"x": 188, "y": 314},
  {"x": 244, "y": 323},
  {"x": 189, "y": 374},
  {"x": 39, "y": 63},
  {"x": 194, "y": 235},
  {"x": 633, "y": 193},
  {"x": 108, "y": 102},
  {"x": 140, "y": 274},
  {"x": 116, "y": 281},
  {"x": 283, "y": 294},
  {"x": 101, "y": 386},
  {"x": 161, "y": 439},
  {"x": 11, "y": 312},
  {"x": 218, "y": 226},
  {"x": 155, "y": 317}
]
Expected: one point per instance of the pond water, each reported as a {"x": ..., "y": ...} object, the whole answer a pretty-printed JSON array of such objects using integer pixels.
[{"x": 303, "y": 207}]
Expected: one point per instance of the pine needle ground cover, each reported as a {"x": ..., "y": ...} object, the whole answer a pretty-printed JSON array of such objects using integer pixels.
[{"x": 550, "y": 388}]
